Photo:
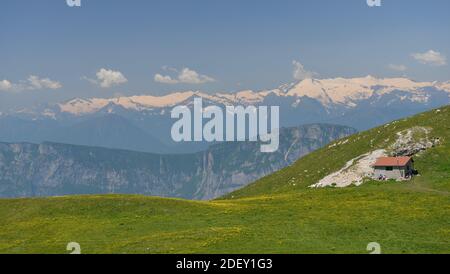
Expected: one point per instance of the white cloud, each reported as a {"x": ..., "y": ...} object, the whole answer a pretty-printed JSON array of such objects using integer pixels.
[
  {"x": 185, "y": 76},
  {"x": 108, "y": 78},
  {"x": 5, "y": 85},
  {"x": 300, "y": 73},
  {"x": 165, "y": 79},
  {"x": 42, "y": 83},
  {"x": 32, "y": 83},
  {"x": 192, "y": 77},
  {"x": 431, "y": 57},
  {"x": 398, "y": 67}
]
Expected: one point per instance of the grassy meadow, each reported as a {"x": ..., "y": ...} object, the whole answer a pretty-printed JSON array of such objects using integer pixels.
[{"x": 277, "y": 214}]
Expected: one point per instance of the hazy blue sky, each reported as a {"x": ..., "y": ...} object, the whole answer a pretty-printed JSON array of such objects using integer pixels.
[{"x": 232, "y": 45}]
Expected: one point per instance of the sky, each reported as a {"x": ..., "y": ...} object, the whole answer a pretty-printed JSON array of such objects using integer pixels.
[{"x": 51, "y": 52}]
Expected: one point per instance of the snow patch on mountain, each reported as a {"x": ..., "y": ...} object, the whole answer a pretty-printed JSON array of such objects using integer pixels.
[
  {"x": 347, "y": 92},
  {"x": 87, "y": 106},
  {"x": 83, "y": 106}
]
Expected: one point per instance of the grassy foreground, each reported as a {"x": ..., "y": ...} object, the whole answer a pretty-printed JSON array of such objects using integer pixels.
[{"x": 278, "y": 214}]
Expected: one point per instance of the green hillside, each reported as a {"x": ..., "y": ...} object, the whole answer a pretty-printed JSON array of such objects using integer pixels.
[{"x": 278, "y": 214}]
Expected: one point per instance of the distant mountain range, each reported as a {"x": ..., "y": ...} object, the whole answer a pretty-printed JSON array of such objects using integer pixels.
[
  {"x": 143, "y": 123},
  {"x": 50, "y": 169}
]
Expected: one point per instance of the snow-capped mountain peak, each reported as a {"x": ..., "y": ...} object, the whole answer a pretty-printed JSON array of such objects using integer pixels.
[
  {"x": 86, "y": 106},
  {"x": 346, "y": 92},
  {"x": 139, "y": 102}
]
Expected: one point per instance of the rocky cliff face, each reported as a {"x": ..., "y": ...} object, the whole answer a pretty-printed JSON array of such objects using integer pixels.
[{"x": 49, "y": 169}]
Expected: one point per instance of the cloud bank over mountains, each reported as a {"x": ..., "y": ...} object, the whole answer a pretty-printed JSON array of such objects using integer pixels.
[
  {"x": 185, "y": 76},
  {"x": 400, "y": 68},
  {"x": 431, "y": 57},
  {"x": 300, "y": 73},
  {"x": 32, "y": 83},
  {"x": 107, "y": 78}
]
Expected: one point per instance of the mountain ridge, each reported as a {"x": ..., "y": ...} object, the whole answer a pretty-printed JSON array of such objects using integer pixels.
[
  {"x": 360, "y": 103},
  {"x": 49, "y": 169},
  {"x": 327, "y": 91},
  {"x": 344, "y": 91}
]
